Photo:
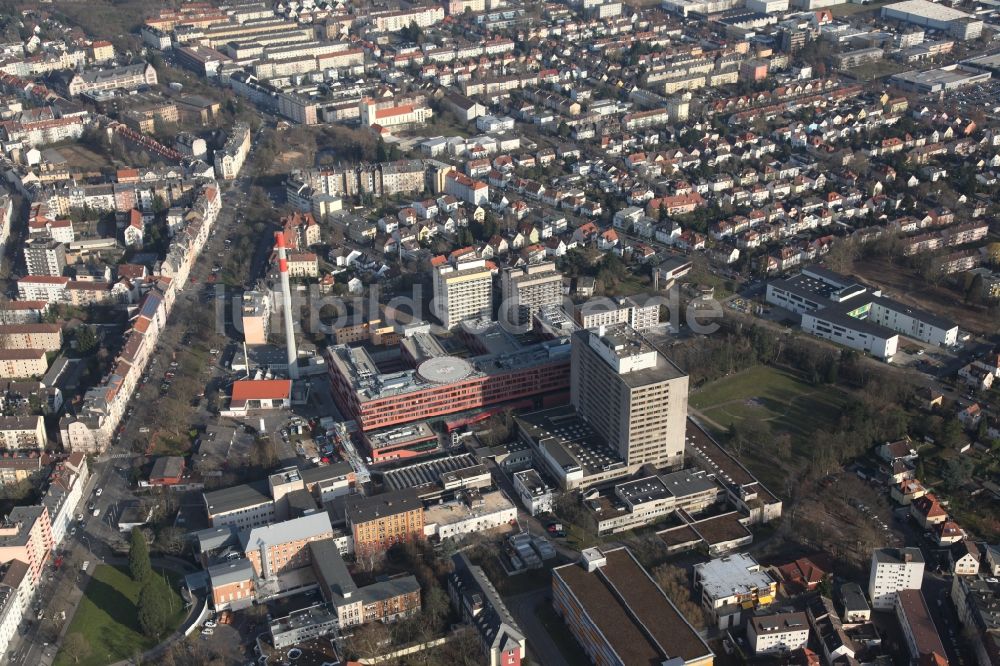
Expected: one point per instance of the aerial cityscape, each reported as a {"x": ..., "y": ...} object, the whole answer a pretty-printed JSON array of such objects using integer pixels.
[{"x": 504, "y": 333}]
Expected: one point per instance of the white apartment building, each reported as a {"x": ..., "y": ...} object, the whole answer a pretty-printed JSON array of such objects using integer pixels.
[
  {"x": 469, "y": 190},
  {"x": 229, "y": 160},
  {"x": 22, "y": 432},
  {"x": 16, "y": 592},
  {"x": 780, "y": 632},
  {"x": 48, "y": 288},
  {"x": 892, "y": 570},
  {"x": 462, "y": 290},
  {"x": 394, "y": 21}
]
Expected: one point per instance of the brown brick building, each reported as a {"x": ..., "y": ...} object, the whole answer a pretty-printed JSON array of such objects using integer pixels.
[{"x": 380, "y": 521}]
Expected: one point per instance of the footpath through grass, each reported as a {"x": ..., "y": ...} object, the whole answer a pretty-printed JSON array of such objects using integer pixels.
[{"x": 108, "y": 621}]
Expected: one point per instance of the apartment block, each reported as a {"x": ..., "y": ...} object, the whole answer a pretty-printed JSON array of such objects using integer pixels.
[
  {"x": 23, "y": 312},
  {"x": 26, "y": 535},
  {"x": 229, "y": 160},
  {"x": 46, "y": 288},
  {"x": 45, "y": 257},
  {"x": 778, "y": 632},
  {"x": 22, "y": 432},
  {"x": 16, "y": 592},
  {"x": 31, "y": 336},
  {"x": 526, "y": 289},
  {"x": 893, "y": 570},
  {"x": 18, "y": 363},
  {"x": 462, "y": 290},
  {"x": 15, "y": 468}
]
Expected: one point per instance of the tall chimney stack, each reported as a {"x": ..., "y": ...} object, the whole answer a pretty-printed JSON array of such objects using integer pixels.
[{"x": 286, "y": 306}]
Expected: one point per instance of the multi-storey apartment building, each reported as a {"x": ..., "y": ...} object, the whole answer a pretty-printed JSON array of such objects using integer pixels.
[
  {"x": 17, "y": 363},
  {"x": 526, "y": 289},
  {"x": 22, "y": 432},
  {"x": 31, "y": 336},
  {"x": 16, "y": 591},
  {"x": 26, "y": 535},
  {"x": 462, "y": 290},
  {"x": 229, "y": 160},
  {"x": 780, "y": 632},
  {"x": 45, "y": 257},
  {"x": 892, "y": 570}
]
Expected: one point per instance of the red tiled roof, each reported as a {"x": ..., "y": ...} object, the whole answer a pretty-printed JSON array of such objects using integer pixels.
[{"x": 262, "y": 389}]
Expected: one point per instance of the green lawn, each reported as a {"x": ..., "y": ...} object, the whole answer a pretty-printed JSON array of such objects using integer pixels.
[
  {"x": 777, "y": 396},
  {"x": 106, "y": 617}
]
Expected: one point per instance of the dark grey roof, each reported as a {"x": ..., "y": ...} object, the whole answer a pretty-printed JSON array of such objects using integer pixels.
[
  {"x": 300, "y": 503},
  {"x": 231, "y": 572},
  {"x": 331, "y": 570},
  {"x": 494, "y": 621},
  {"x": 854, "y": 598},
  {"x": 325, "y": 472},
  {"x": 26, "y": 515},
  {"x": 167, "y": 467},
  {"x": 360, "y": 509},
  {"x": 389, "y": 589},
  {"x": 305, "y": 527},
  {"x": 898, "y": 555},
  {"x": 215, "y": 538},
  {"x": 237, "y": 497}
]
